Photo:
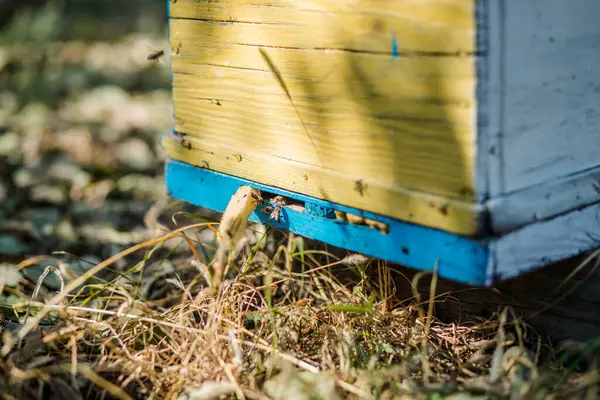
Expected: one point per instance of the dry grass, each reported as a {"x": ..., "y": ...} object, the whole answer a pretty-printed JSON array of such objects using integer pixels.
[{"x": 287, "y": 323}]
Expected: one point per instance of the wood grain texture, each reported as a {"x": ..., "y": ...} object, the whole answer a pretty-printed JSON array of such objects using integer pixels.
[
  {"x": 405, "y": 124},
  {"x": 432, "y": 211},
  {"x": 403, "y": 121},
  {"x": 546, "y": 69},
  {"x": 484, "y": 121},
  {"x": 438, "y": 26},
  {"x": 544, "y": 201},
  {"x": 544, "y": 242},
  {"x": 490, "y": 81},
  {"x": 459, "y": 258}
]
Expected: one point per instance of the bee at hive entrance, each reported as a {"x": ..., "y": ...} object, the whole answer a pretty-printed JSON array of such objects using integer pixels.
[{"x": 279, "y": 202}]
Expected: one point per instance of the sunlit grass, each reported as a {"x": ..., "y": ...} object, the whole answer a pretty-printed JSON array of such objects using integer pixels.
[{"x": 284, "y": 324}]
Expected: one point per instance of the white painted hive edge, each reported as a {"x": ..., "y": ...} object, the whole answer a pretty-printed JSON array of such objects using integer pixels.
[
  {"x": 544, "y": 201},
  {"x": 544, "y": 242}
]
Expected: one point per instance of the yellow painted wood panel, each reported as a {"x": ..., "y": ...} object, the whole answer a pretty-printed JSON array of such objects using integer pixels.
[
  {"x": 456, "y": 216},
  {"x": 405, "y": 124},
  {"x": 446, "y": 81},
  {"x": 420, "y": 25},
  {"x": 402, "y": 158},
  {"x": 375, "y": 100},
  {"x": 412, "y": 132},
  {"x": 321, "y": 122}
]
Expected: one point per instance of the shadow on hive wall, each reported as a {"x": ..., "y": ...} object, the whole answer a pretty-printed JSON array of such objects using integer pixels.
[
  {"x": 378, "y": 119},
  {"x": 408, "y": 139}
]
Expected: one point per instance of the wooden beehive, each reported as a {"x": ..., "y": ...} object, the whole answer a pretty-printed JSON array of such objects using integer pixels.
[{"x": 459, "y": 132}]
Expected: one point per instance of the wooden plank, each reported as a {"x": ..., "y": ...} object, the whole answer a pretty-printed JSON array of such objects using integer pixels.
[
  {"x": 390, "y": 122},
  {"x": 443, "y": 81},
  {"x": 490, "y": 81},
  {"x": 547, "y": 241},
  {"x": 459, "y": 258},
  {"x": 435, "y": 85},
  {"x": 416, "y": 157},
  {"x": 544, "y": 201},
  {"x": 456, "y": 216},
  {"x": 438, "y": 26},
  {"x": 483, "y": 94},
  {"x": 410, "y": 121},
  {"x": 550, "y": 78}
]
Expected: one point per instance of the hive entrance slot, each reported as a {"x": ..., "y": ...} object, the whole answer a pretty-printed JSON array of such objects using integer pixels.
[
  {"x": 273, "y": 199},
  {"x": 274, "y": 207}
]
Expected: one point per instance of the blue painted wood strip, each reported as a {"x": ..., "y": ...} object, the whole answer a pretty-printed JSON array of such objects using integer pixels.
[{"x": 460, "y": 259}]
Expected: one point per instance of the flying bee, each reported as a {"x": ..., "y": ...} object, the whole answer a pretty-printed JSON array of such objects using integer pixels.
[
  {"x": 279, "y": 202},
  {"x": 156, "y": 55}
]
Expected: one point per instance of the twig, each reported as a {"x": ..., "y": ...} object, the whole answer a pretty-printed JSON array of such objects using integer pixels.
[
  {"x": 234, "y": 382},
  {"x": 104, "y": 384}
]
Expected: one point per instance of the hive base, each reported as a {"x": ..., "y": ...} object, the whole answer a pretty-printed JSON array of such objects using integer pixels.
[{"x": 461, "y": 259}]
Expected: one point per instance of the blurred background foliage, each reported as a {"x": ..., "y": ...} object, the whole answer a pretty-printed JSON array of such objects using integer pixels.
[
  {"x": 82, "y": 111},
  {"x": 82, "y": 19}
]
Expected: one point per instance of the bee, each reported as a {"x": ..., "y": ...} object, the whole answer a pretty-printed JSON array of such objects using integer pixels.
[
  {"x": 257, "y": 198},
  {"x": 279, "y": 202},
  {"x": 156, "y": 55}
]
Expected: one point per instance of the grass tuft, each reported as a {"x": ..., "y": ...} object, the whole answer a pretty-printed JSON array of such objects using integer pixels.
[{"x": 286, "y": 323}]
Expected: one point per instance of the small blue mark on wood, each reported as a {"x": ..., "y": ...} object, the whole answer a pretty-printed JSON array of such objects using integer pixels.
[
  {"x": 460, "y": 259},
  {"x": 395, "y": 53}
]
